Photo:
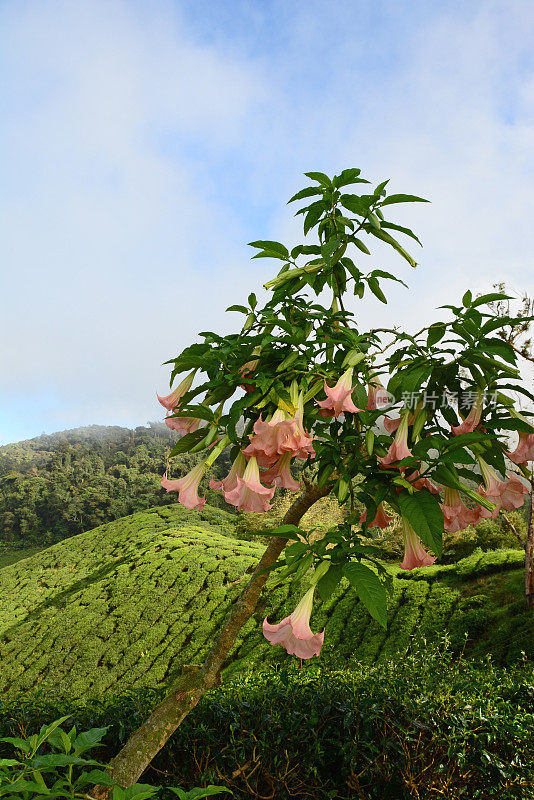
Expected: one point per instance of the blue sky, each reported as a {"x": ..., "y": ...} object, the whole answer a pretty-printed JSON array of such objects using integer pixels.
[{"x": 144, "y": 143}]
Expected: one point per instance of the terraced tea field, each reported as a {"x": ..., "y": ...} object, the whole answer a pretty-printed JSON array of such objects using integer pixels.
[{"x": 125, "y": 605}]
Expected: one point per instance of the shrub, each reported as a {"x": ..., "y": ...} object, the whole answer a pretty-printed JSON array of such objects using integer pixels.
[
  {"x": 421, "y": 727},
  {"x": 53, "y": 763}
]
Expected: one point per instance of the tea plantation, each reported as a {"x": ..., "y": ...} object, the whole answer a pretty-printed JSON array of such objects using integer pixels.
[{"x": 126, "y": 604}]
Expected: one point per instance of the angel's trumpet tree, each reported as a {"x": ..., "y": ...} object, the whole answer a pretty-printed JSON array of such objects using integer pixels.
[{"x": 286, "y": 351}]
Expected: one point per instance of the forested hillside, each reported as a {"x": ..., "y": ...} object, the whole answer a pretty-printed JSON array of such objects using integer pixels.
[{"x": 59, "y": 485}]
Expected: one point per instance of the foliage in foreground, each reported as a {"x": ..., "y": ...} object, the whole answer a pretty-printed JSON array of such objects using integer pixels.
[
  {"x": 423, "y": 727},
  {"x": 53, "y": 763}
]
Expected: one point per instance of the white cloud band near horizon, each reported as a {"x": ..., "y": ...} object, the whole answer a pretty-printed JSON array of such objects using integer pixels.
[{"x": 145, "y": 143}]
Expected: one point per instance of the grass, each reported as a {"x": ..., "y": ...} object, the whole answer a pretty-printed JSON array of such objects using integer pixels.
[{"x": 125, "y": 605}]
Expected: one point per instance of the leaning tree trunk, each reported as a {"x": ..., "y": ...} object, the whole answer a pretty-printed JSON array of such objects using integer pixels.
[
  {"x": 529, "y": 552},
  {"x": 144, "y": 744}
]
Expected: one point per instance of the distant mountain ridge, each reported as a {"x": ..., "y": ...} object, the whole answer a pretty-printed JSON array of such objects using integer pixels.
[{"x": 61, "y": 484}]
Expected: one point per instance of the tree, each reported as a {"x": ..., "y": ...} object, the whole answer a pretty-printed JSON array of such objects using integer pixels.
[
  {"x": 260, "y": 392},
  {"x": 517, "y": 334}
]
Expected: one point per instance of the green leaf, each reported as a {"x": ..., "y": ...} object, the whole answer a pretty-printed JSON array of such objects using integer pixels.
[
  {"x": 309, "y": 191},
  {"x": 198, "y": 794},
  {"x": 88, "y": 739},
  {"x": 492, "y": 297},
  {"x": 276, "y": 247},
  {"x": 16, "y": 741},
  {"x": 376, "y": 290},
  {"x": 435, "y": 333},
  {"x": 423, "y": 512},
  {"x": 346, "y": 177},
  {"x": 287, "y": 532},
  {"x": 380, "y": 273},
  {"x": 93, "y": 777},
  {"x": 401, "y": 229},
  {"x": 402, "y": 198},
  {"x": 369, "y": 588},
  {"x": 271, "y": 254},
  {"x": 320, "y": 177},
  {"x": 188, "y": 441},
  {"x": 140, "y": 791},
  {"x": 466, "y": 299},
  {"x": 355, "y": 204},
  {"x": 312, "y": 218},
  {"x": 329, "y": 581}
]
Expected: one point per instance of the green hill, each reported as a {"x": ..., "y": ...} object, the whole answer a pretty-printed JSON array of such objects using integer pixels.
[{"x": 126, "y": 604}]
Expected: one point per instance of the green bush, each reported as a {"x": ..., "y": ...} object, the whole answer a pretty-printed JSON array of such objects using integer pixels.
[
  {"x": 53, "y": 763},
  {"x": 424, "y": 726}
]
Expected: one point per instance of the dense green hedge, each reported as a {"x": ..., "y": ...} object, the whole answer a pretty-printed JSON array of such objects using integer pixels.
[{"x": 424, "y": 726}]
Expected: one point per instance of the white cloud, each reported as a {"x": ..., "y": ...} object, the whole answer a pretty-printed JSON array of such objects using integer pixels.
[{"x": 139, "y": 162}]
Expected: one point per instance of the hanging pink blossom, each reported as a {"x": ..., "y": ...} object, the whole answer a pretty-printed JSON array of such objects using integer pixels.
[
  {"x": 171, "y": 401},
  {"x": 247, "y": 370},
  {"x": 339, "y": 399},
  {"x": 507, "y": 495},
  {"x": 187, "y": 487},
  {"x": 422, "y": 483},
  {"x": 182, "y": 424},
  {"x": 280, "y": 475},
  {"x": 473, "y": 418},
  {"x": 249, "y": 494},
  {"x": 381, "y": 520},
  {"x": 524, "y": 451},
  {"x": 456, "y": 514},
  {"x": 377, "y": 396},
  {"x": 302, "y": 442},
  {"x": 278, "y": 436},
  {"x": 414, "y": 553},
  {"x": 294, "y": 632},
  {"x": 399, "y": 449},
  {"x": 230, "y": 482}
]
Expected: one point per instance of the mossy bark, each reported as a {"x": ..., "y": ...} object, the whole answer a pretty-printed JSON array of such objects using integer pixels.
[{"x": 144, "y": 744}]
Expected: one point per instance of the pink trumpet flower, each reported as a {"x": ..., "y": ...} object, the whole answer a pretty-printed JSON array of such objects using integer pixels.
[
  {"x": 171, "y": 401},
  {"x": 280, "y": 475},
  {"x": 456, "y": 514},
  {"x": 339, "y": 398},
  {"x": 381, "y": 520},
  {"x": 507, "y": 495},
  {"x": 422, "y": 483},
  {"x": 377, "y": 396},
  {"x": 182, "y": 424},
  {"x": 278, "y": 436},
  {"x": 414, "y": 554},
  {"x": 294, "y": 632},
  {"x": 524, "y": 451},
  {"x": 399, "y": 449},
  {"x": 187, "y": 487},
  {"x": 249, "y": 494},
  {"x": 247, "y": 370},
  {"x": 473, "y": 418},
  {"x": 230, "y": 482},
  {"x": 391, "y": 425}
]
